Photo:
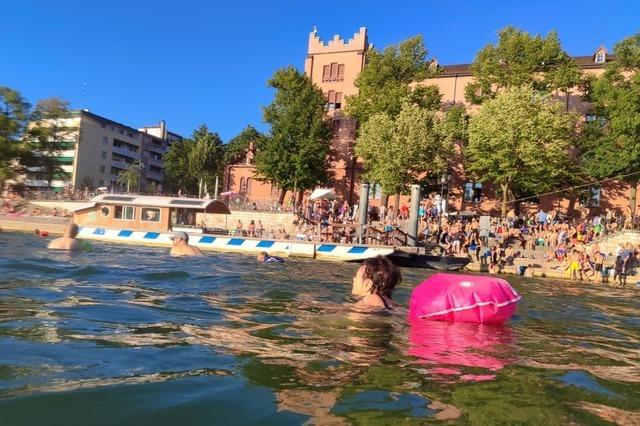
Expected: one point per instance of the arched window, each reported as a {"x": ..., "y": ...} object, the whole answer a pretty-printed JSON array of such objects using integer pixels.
[
  {"x": 243, "y": 186},
  {"x": 247, "y": 189}
]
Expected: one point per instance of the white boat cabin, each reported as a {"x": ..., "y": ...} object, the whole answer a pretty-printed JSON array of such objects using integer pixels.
[{"x": 147, "y": 213}]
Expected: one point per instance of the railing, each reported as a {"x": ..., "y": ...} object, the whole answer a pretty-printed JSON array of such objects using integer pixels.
[{"x": 127, "y": 152}]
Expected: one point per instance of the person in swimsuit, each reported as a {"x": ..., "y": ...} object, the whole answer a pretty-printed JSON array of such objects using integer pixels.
[
  {"x": 264, "y": 257},
  {"x": 374, "y": 282},
  {"x": 574, "y": 267}
]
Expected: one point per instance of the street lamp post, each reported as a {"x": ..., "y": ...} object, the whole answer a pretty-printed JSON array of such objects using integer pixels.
[
  {"x": 140, "y": 170},
  {"x": 444, "y": 180}
]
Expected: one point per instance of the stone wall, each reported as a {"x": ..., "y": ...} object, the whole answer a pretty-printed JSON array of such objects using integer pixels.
[{"x": 270, "y": 220}]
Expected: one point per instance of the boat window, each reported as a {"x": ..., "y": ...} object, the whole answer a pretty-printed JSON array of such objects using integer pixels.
[
  {"x": 125, "y": 212},
  {"x": 150, "y": 215},
  {"x": 184, "y": 217},
  {"x": 105, "y": 211}
]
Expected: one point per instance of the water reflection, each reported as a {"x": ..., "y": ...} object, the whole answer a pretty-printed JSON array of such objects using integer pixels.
[
  {"x": 450, "y": 348},
  {"x": 284, "y": 338}
]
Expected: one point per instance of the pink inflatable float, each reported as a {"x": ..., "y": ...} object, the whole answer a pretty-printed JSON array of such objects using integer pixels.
[{"x": 463, "y": 298}]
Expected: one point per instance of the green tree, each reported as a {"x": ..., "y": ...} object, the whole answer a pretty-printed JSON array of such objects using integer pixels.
[
  {"x": 521, "y": 140},
  {"x": 176, "y": 163},
  {"x": 397, "y": 152},
  {"x": 385, "y": 81},
  {"x": 519, "y": 59},
  {"x": 294, "y": 156},
  {"x": 14, "y": 113},
  {"x": 194, "y": 162},
  {"x": 611, "y": 143},
  {"x": 206, "y": 158},
  {"x": 49, "y": 135},
  {"x": 130, "y": 177},
  {"x": 238, "y": 144}
]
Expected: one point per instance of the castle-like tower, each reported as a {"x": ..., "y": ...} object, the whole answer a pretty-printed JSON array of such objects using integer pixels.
[{"x": 334, "y": 67}]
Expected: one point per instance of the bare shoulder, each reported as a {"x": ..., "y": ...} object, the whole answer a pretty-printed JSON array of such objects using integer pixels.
[{"x": 65, "y": 243}]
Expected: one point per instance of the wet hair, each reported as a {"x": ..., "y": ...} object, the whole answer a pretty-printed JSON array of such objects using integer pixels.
[
  {"x": 73, "y": 230},
  {"x": 383, "y": 274}
]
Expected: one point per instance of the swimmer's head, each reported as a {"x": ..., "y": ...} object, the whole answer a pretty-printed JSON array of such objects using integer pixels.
[
  {"x": 376, "y": 276},
  {"x": 71, "y": 231},
  {"x": 180, "y": 236},
  {"x": 262, "y": 256}
]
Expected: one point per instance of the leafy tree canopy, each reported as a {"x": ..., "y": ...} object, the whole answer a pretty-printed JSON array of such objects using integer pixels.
[
  {"x": 384, "y": 83},
  {"x": 521, "y": 140},
  {"x": 193, "y": 161},
  {"x": 295, "y": 153},
  {"x": 14, "y": 112},
  {"x": 50, "y": 135},
  {"x": 611, "y": 144},
  {"x": 237, "y": 145},
  {"x": 396, "y": 152},
  {"x": 519, "y": 59}
]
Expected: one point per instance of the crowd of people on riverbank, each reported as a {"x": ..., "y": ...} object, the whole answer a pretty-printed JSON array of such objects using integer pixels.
[
  {"x": 560, "y": 243},
  {"x": 14, "y": 205}
]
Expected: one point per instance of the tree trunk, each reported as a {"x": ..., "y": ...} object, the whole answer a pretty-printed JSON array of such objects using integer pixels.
[
  {"x": 384, "y": 200},
  {"x": 396, "y": 208},
  {"x": 283, "y": 192},
  {"x": 505, "y": 199},
  {"x": 633, "y": 194},
  {"x": 299, "y": 200}
]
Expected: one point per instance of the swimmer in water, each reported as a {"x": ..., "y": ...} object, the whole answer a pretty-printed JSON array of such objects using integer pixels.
[
  {"x": 181, "y": 245},
  {"x": 264, "y": 257},
  {"x": 68, "y": 241},
  {"x": 374, "y": 282}
]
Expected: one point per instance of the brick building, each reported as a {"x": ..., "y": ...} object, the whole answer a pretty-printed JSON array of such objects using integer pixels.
[{"x": 333, "y": 66}]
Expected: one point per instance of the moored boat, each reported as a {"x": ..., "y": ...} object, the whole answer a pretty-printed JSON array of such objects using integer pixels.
[{"x": 151, "y": 220}]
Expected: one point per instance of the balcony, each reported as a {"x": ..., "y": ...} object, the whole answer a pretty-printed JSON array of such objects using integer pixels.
[
  {"x": 127, "y": 152},
  {"x": 156, "y": 148},
  {"x": 153, "y": 162},
  {"x": 119, "y": 164},
  {"x": 153, "y": 175},
  {"x": 36, "y": 182}
]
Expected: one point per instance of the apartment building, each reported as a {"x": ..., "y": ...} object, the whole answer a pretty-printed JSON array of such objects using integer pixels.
[{"x": 98, "y": 149}]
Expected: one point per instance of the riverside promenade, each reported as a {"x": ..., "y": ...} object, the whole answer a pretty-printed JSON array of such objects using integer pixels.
[{"x": 541, "y": 268}]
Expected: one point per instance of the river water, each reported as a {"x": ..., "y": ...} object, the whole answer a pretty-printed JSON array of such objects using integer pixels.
[{"x": 129, "y": 335}]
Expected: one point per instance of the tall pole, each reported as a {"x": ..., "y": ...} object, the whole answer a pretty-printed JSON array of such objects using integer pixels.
[
  {"x": 440, "y": 208},
  {"x": 413, "y": 215},
  {"x": 215, "y": 191},
  {"x": 362, "y": 208}
]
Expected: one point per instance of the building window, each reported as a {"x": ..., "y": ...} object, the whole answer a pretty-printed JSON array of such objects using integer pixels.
[
  {"x": 243, "y": 186},
  {"x": 104, "y": 154},
  {"x": 105, "y": 140},
  {"x": 101, "y": 169},
  {"x": 472, "y": 192},
  {"x": 590, "y": 197},
  {"x": 600, "y": 58},
  {"x": 333, "y": 72},
  {"x": 150, "y": 215},
  {"x": 105, "y": 211},
  {"x": 334, "y": 100},
  {"x": 130, "y": 134},
  {"x": 125, "y": 213}
]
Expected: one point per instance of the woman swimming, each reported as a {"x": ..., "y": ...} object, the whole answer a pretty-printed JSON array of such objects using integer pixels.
[{"x": 374, "y": 282}]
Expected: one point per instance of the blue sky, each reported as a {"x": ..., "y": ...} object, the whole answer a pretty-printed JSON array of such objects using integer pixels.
[{"x": 191, "y": 62}]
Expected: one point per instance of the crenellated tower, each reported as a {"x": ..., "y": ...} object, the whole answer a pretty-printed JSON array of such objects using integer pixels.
[{"x": 334, "y": 67}]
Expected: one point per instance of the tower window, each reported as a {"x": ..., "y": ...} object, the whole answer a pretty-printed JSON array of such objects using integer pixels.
[
  {"x": 333, "y": 72},
  {"x": 600, "y": 58}
]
